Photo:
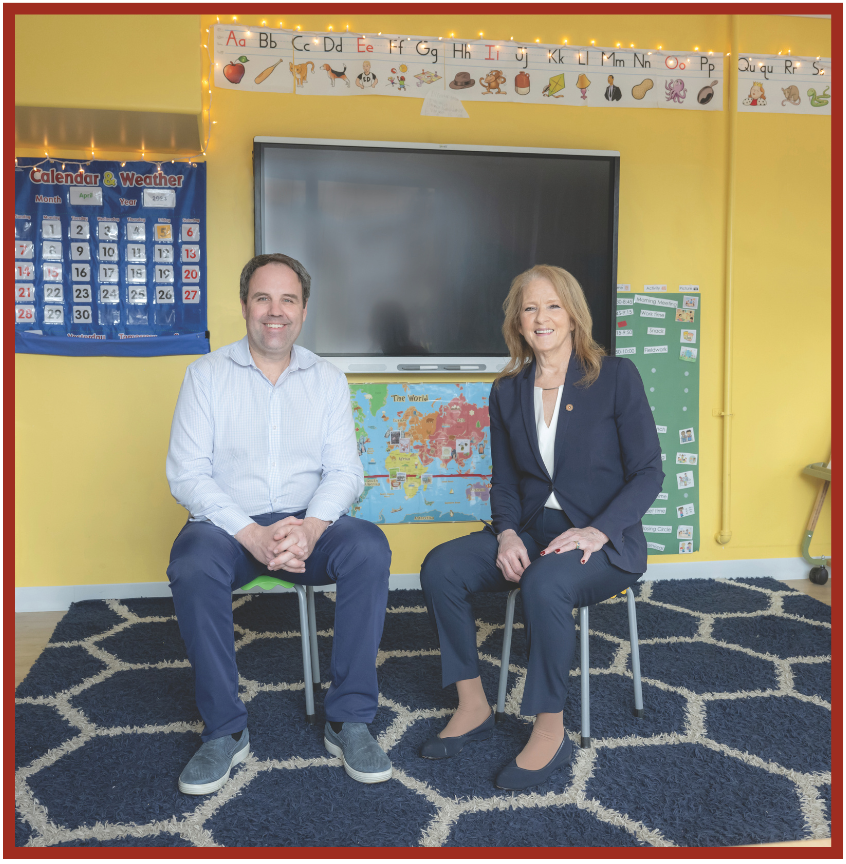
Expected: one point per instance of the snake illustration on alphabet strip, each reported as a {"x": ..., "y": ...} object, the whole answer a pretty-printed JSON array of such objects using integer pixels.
[{"x": 819, "y": 101}]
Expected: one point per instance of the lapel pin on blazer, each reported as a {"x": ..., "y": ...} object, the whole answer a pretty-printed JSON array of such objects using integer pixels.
[{"x": 569, "y": 407}]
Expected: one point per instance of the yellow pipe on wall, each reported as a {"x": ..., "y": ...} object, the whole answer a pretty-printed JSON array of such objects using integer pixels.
[{"x": 723, "y": 536}]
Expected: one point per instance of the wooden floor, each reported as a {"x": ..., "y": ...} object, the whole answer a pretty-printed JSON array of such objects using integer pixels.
[
  {"x": 32, "y": 632},
  {"x": 34, "y": 629}
]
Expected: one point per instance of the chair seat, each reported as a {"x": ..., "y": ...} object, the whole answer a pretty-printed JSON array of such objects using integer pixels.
[{"x": 266, "y": 583}]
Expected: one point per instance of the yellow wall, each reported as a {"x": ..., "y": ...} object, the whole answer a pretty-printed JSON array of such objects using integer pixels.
[
  {"x": 93, "y": 504},
  {"x": 112, "y": 62},
  {"x": 782, "y": 243}
]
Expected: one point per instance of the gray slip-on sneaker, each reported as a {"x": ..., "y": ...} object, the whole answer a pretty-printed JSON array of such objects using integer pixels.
[
  {"x": 209, "y": 767},
  {"x": 364, "y": 760}
]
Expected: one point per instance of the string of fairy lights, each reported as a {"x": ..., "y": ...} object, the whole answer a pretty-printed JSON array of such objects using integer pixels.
[{"x": 81, "y": 164}]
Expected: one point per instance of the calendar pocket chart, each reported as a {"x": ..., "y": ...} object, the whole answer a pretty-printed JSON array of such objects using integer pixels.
[{"x": 110, "y": 258}]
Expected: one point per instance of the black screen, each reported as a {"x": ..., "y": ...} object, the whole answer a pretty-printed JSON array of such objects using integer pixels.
[{"x": 412, "y": 251}]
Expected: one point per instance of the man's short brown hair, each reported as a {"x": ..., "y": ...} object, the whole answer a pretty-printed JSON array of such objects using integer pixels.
[{"x": 274, "y": 258}]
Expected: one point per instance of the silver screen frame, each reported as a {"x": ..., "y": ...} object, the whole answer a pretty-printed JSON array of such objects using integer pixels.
[{"x": 359, "y": 364}]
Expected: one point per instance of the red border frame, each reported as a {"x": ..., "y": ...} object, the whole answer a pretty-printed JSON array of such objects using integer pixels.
[{"x": 10, "y": 10}]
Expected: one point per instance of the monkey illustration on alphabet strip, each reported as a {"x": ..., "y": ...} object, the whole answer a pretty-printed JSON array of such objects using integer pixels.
[{"x": 494, "y": 79}]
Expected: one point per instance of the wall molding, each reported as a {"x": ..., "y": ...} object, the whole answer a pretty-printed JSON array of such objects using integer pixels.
[{"x": 56, "y": 598}]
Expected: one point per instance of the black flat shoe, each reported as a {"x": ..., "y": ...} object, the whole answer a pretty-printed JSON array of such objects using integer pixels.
[
  {"x": 443, "y": 748},
  {"x": 513, "y": 777}
]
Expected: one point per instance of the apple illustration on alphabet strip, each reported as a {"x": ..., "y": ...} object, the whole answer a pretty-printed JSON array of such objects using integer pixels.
[{"x": 234, "y": 72}]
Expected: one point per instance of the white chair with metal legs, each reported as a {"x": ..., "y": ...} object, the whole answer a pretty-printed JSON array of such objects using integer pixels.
[
  {"x": 308, "y": 635},
  {"x": 585, "y": 662}
]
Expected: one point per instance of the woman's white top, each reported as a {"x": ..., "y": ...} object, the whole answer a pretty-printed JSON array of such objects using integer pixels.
[{"x": 546, "y": 438}]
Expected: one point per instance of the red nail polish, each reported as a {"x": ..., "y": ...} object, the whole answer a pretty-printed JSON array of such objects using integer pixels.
[
  {"x": 557, "y": 550},
  {"x": 544, "y": 552}
]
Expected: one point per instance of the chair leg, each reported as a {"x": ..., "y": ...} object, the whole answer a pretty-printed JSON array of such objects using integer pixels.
[
  {"x": 585, "y": 662},
  {"x": 635, "y": 649},
  {"x": 506, "y": 655},
  {"x": 312, "y": 632},
  {"x": 304, "y": 636}
]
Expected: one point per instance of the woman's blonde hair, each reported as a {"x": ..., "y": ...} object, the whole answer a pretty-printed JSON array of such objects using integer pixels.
[{"x": 589, "y": 352}]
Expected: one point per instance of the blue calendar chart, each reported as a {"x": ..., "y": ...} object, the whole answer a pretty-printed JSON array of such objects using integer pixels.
[{"x": 110, "y": 258}]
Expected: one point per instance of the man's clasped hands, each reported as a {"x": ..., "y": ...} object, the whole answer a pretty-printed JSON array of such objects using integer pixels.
[{"x": 284, "y": 545}]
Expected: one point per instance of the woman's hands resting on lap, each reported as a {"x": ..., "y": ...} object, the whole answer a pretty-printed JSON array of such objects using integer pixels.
[
  {"x": 588, "y": 540},
  {"x": 513, "y": 558}
]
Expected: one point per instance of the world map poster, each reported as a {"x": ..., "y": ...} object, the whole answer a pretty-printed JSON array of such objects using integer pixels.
[{"x": 425, "y": 451}]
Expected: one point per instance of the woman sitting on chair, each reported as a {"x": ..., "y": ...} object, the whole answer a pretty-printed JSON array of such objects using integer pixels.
[{"x": 576, "y": 464}]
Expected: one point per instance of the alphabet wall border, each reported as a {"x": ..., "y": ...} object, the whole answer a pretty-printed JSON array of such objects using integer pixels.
[
  {"x": 779, "y": 84},
  {"x": 354, "y": 64}
]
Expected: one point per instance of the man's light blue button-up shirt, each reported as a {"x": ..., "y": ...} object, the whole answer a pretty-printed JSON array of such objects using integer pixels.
[{"x": 241, "y": 446}]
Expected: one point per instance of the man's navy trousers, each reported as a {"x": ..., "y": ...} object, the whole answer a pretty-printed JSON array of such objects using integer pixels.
[{"x": 207, "y": 564}]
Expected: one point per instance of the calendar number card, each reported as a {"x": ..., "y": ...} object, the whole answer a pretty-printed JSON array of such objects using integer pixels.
[{"x": 120, "y": 272}]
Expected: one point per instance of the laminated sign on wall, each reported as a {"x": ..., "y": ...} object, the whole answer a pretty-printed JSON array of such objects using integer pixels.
[
  {"x": 110, "y": 258},
  {"x": 348, "y": 64}
]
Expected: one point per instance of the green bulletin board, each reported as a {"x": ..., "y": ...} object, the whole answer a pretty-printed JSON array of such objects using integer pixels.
[{"x": 660, "y": 334}]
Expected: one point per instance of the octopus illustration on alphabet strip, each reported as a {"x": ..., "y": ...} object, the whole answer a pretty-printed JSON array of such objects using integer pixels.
[{"x": 675, "y": 90}]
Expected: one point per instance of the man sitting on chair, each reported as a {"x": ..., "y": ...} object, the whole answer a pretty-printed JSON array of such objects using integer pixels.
[{"x": 263, "y": 456}]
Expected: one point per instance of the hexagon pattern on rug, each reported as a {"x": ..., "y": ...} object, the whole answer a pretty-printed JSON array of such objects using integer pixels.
[{"x": 736, "y": 689}]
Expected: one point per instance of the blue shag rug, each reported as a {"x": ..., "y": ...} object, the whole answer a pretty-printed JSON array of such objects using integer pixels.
[{"x": 734, "y": 747}]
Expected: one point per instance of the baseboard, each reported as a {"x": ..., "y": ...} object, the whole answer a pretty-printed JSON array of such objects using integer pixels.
[
  {"x": 751, "y": 568},
  {"x": 55, "y": 598}
]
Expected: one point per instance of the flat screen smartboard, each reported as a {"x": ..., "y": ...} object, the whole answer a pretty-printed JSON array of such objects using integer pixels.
[{"x": 412, "y": 247}]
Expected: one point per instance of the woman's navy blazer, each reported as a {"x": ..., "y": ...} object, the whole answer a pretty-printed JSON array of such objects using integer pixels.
[{"x": 607, "y": 456}]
